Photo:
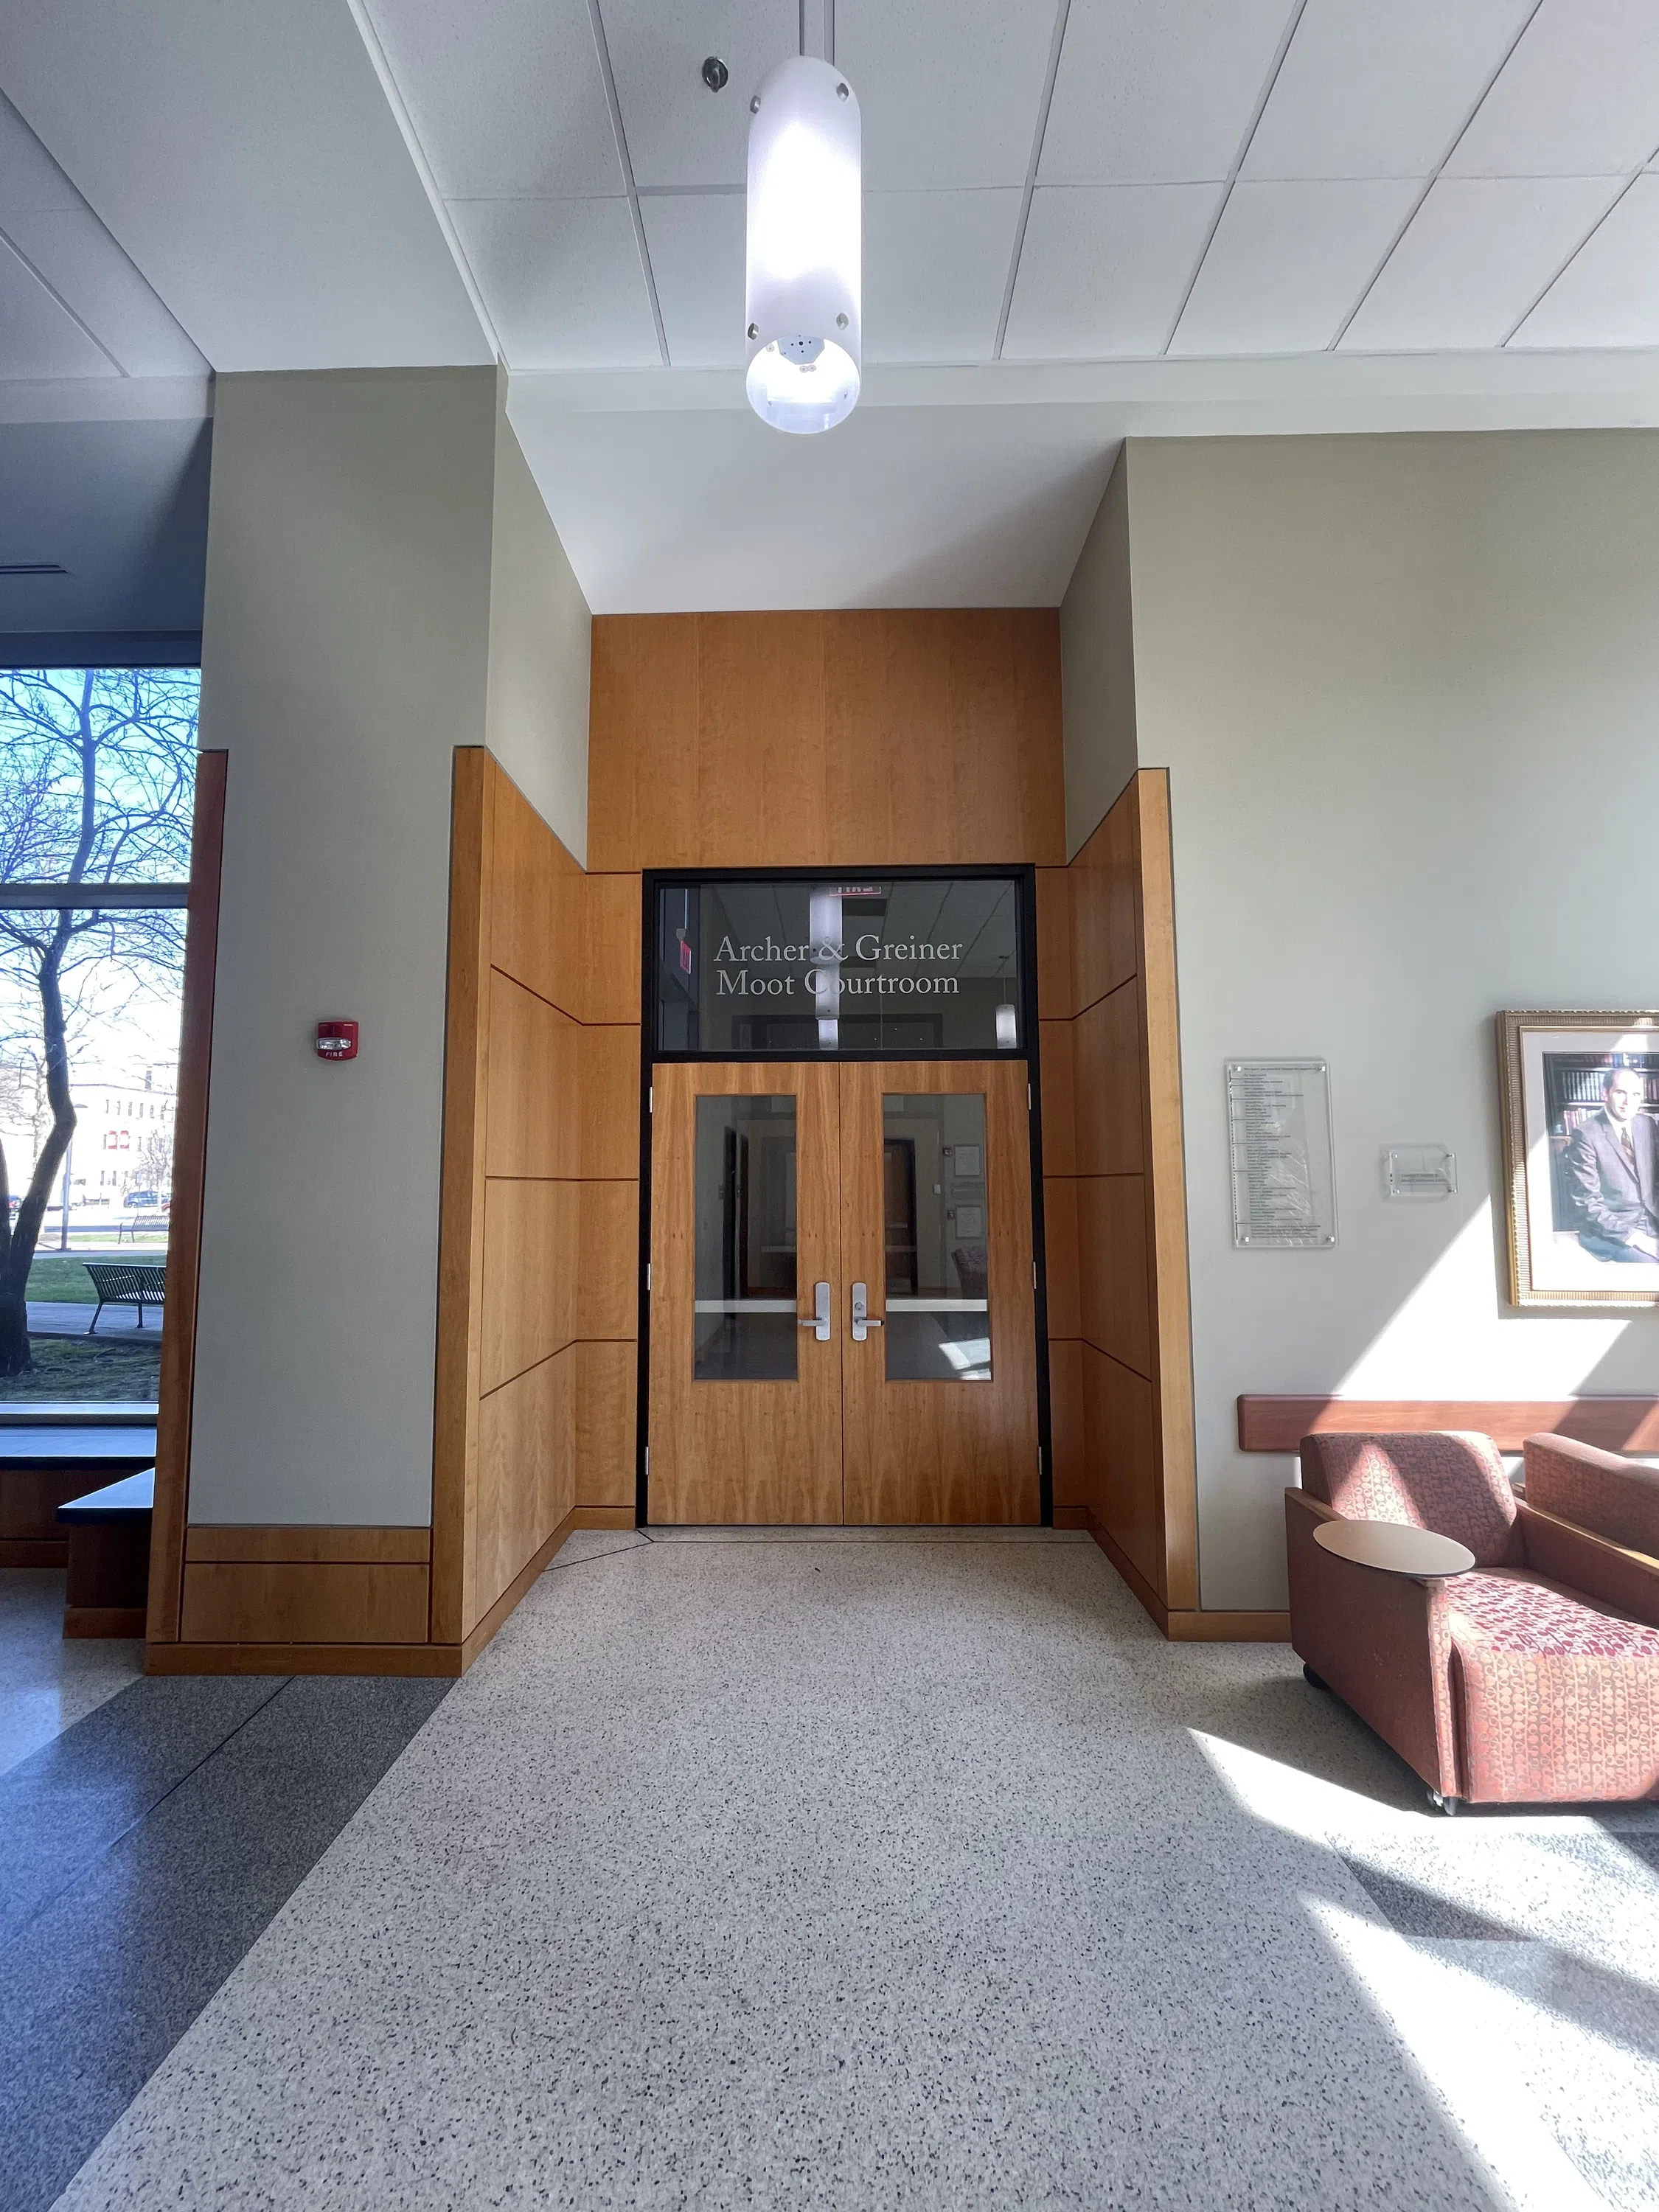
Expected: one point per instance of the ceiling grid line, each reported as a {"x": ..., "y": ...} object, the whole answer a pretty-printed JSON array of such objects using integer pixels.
[
  {"x": 424, "y": 171},
  {"x": 1059, "y": 39},
  {"x": 1250, "y": 130},
  {"x": 79, "y": 321},
  {"x": 632, "y": 190},
  {"x": 1623, "y": 192},
  {"x": 1430, "y": 182}
]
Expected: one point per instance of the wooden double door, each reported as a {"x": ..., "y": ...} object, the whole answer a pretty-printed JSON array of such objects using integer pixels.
[{"x": 842, "y": 1295}]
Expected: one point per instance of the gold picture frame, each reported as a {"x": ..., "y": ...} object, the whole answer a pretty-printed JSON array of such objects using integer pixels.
[{"x": 1577, "y": 1193}]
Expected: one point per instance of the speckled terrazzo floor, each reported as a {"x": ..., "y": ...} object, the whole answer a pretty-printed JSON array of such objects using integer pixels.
[{"x": 837, "y": 1873}]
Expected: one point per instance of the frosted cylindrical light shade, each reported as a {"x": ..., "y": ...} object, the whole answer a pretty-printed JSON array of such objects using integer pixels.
[{"x": 805, "y": 248}]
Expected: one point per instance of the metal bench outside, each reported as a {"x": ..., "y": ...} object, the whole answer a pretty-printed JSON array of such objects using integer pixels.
[
  {"x": 140, "y": 1224},
  {"x": 127, "y": 1283}
]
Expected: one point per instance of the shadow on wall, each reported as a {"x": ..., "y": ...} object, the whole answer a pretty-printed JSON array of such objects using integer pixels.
[
  {"x": 1014, "y": 539},
  {"x": 1427, "y": 1303},
  {"x": 1453, "y": 1333}
]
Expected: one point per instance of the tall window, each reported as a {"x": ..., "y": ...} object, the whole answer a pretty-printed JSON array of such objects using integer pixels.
[{"x": 97, "y": 785}]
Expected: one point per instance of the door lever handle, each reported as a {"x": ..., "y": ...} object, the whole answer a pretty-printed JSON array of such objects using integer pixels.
[
  {"x": 818, "y": 1319},
  {"x": 863, "y": 1321}
]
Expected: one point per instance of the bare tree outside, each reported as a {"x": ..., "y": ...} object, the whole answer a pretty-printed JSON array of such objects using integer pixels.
[
  {"x": 97, "y": 778},
  {"x": 23, "y": 1101},
  {"x": 153, "y": 1156}
]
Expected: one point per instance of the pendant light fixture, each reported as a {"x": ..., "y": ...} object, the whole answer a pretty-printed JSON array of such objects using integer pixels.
[{"x": 804, "y": 285}]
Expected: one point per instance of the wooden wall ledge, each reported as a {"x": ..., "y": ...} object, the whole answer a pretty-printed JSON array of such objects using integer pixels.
[{"x": 1270, "y": 1424}]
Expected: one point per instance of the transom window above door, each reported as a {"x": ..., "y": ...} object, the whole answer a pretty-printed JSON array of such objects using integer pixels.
[{"x": 851, "y": 965}]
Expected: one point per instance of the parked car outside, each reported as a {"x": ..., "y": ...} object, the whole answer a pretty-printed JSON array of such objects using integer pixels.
[{"x": 149, "y": 1198}]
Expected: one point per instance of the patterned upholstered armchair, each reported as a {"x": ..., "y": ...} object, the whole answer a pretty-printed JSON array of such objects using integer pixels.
[{"x": 1532, "y": 1679}]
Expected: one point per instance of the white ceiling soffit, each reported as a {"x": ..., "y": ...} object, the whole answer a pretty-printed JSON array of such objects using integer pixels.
[
  {"x": 959, "y": 486},
  {"x": 71, "y": 304},
  {"x": 664, "y": 512},
  {"x": 247, "y": 160},
  {"x": 121, "y": 506}
]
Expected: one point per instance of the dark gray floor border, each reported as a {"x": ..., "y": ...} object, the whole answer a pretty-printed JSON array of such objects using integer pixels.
[{"x": 141, "y": 1853}]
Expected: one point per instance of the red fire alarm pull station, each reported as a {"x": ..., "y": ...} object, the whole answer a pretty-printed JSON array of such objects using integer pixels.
[{"x": 337, "y": 1040}]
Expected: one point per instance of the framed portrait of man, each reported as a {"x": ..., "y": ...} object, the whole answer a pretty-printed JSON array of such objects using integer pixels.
[{"x": 1581, "y": 1158}]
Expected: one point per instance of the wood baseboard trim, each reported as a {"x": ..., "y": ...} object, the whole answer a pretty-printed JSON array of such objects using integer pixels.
[
  {"x": 515, "y": 1590},
  {"x": 1198, "y": 1626},
  {"x": 1074, "y": 1516},
  {"x": 305, "y": 1601},
  {"x": 1145, "y": 1596},
  {"x": 205, "y": 1543},
  {"x": 418, "y": 1659},
  {"x": 603, "y": 1516},
  {"x": 1187, "y": 1624},
  {"x": 33, "y": 1552},
  {"x": 103, "y": 1620}
]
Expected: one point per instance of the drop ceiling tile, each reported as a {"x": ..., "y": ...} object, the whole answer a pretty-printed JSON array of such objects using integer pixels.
[
  {"x": 679, "y": 132},
  {"x": 935, "y": 267},
  {"x": 85, "y": 268},
  {"x": 562, "y": 281},
  {"x": 1103, "y": 270},
  {"x": 38, "y": 337},
  {"x": 696, "y": 241},
  {"x": 950, "y": 90},
  {"x": 1159, "y": 93},
  {"x": 248, "y": 160},
  {"x": 1479, "y": 252},
  {"x": 1579, "y": 97},
  {"x": 1287, "y": 263},
  {"x": 1380, "y": 92},
  {"x": 1608, "y": 295},
  {"x": 29, "y": 179},
  {"x": 506, "y": 97}
]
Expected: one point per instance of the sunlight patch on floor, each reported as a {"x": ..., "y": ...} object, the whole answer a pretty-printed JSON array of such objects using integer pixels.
[
  {"x": 1461, "y": 2035},
  {"x": 1516, "y": 1956}
]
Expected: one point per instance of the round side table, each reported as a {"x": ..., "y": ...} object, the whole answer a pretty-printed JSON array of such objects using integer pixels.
[{"x": 1396, "y": 1549}]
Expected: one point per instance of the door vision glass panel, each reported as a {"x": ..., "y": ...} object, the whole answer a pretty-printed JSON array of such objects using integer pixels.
[
  {"x": 745, "y": 1247},
  {"x": 936, "y": 1238},
  {"x": 936, "y": 1230},
  {"x": 743, "y": 1313}
]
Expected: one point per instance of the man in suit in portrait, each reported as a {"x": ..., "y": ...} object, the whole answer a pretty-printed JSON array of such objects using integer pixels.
[{"x": 1612, "y": 1165}]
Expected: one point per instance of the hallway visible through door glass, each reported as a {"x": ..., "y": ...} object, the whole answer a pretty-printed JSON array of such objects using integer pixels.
[
  {"x": 936, "y": 1236},
  {"x": 744, "y": 1320}
]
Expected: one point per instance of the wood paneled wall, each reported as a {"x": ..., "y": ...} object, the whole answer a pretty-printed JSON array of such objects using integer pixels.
[
  {"x": 911, "y": 736},
  {"x": 538, "y": 1319},
  {"x": 1119, "y": 1346},
  {"x": 866, "y": 738},
  {"x": 173, "y": 1409}
]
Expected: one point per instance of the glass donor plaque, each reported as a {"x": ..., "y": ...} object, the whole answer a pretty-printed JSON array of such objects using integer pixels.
[
  {"x": 910, "y": 965},
  {"x": 1278, "y": 1127}
]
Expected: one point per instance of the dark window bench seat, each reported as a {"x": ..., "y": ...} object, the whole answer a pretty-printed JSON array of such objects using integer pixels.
[{"x": 108, "y": 1586}]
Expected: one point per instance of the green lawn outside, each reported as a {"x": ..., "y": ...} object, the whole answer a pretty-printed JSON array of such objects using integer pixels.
[
  {"x": 67, "y": 1368},
  {"x": 58, "y": 1279}
]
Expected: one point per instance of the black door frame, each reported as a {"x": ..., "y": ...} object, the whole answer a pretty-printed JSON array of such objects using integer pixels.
[{"x": 1023, "y": 877}]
